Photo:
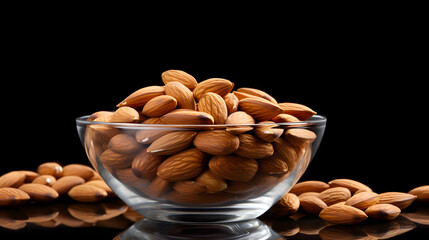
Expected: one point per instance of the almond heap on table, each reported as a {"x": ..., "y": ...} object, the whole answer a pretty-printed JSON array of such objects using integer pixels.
[
  {"x": 346, "y": 201},
  {"x": 226, "y": 157},
  {"x": 51, "y": 181}
]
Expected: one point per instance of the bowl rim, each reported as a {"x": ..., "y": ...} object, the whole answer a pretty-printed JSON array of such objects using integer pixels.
[{"x": 316, "y": 119}]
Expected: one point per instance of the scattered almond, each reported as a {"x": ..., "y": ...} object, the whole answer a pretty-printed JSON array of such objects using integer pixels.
[
  {"x": 350, "y": 184},
  {"x": 399, "y": 199},
  {"x": 363, "y": 200},
  {"x": 286, "y": 206},
  {"x": 64, "y": 184},
  {"x": 311, "y": 204},
  {"x": 50, "y": 168},
  {"x": 12, "y": 179},
  {"x": 421, "y": 192},
  {"x": 342, "y": 214},
  {"x": 39, "y": 192},
  {"x": 383, "y": 211},
  {"x": 12, "y": 196},
  {"x": 309, "y": 186},
  {"x": 87, "y": 193},
  {"x": 334, "y": 195}
]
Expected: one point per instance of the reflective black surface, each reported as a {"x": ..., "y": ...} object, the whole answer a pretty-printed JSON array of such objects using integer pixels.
[{"x": 114, "y": 220}]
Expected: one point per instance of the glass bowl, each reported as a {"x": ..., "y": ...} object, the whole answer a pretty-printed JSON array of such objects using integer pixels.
[{"x": 201, "y": 173}]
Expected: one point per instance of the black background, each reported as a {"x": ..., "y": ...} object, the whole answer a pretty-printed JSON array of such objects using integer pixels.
[{"x": 367, "y": 77}]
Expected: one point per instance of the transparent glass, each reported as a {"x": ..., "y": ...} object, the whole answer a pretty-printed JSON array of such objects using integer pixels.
[{"x": 161, "y": 170}]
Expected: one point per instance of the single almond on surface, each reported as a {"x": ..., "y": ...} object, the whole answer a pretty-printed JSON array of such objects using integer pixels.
[
  {"x": 234, "y": 168},
  {"x": 172, "y": 143},
  {"x": 12, "y": 179},
  {"x": 257, "y": 93},
  {"x": 399, "y": 199},
  {"x": 211, "y": 182},
  {"x": 80, "y": 170},
  {"x": 352, "y": 185},
  {"x": 180, "y": 76},
  {"x": 12, "y": 196},
  {"x": 311, "y": 204},
  {"x": 334, "y": 195},
  {"x": 342, "y": 214},
  {"x": 363, "y": 200},
  {"x": 140, "y": 97},
  {"x": 383, "y": 211},
  {"x": 187, "y": 117},
  {"x": 253, "y": 147},
  {"x": 214, "y": 105},
  {"x": 39, "y": 192},
  {"x": 182, "y": 166},
  {"x": 182, "y": 94},
  {"x": 259, "y": 109},
  {"x": 286, "y": 206},
  {"x": 64, "y": 184},
  {"x": 50, "y": 168},
  {"x": 239, "y": 118},
  {"x": 421, "y": 192},
  {"x": 87, "y": 193},
  {"x": 160, "y": 105},
  {"x": 216, "y": 85},
  {"x": 124, "y": 143},
  {"x": 125, "y": 115},
  {"x": 298, "y": 110},
  {"x": 309, "y": 186},
  {"x": 216, "y": 142}
]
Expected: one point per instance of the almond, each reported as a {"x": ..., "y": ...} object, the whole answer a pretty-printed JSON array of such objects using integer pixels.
[
  {"x": 399, "y": 199},
  {"x": 124, "y": 143},
  {"x": 145, "y": 165},
  {"x": 298, "y": 110},
  {"x": 231, "y": 102},
  {"x": 283, "y": 117},
  {"x": 421, "y": 192},
  {"x": 87, "y": 193},
  {"x": 342, "y": 214},
  {"x": 267, "y": 131},
  {"x": 211, "y": 182},
  {"x": 286, "y": 152},
  {"x": 29, "y": 175},
  {"x": 160, "y": 105},
  {"x": 363, "y": 200},
  {"x": 311, "y": 204},
  {"x": 216, "y": 142},
  {"x": 64, "y": 184},
  {"x": 140, "y": 97},
  {"x": 12, "y": 179},
  {"x": 286, "y": 206},
  {"x": 80, "y": 170},
  {"x": 309, "y": 186},
  {"x": 216, "y": 85},
  {"x": 172, "y": 143},
  {"x": 299, "y": 136},
  {"x": 11, "y": 196},
  {"x": 184, "y": 96},
  {"x": 159, "y": 187},
  {"x": 273, "y": 166},
  {"x": 150, "y": 134},
  {"x": 50, "y": 168},
  {"x": 189, "y": 187},
  {"x": 383, "y": 211},
  {"x": 239, "y": 118},
  {"x": 334, "y": 195},
  {"x": 182, "y": 166},
  {"x": 257, "y": 93},
  {"x": 214, "y": 105},
  {"x": 253, "y": 147},
  {"x": 39, "y": 192},
  {"x": 259, "y": 109},
  {"x": 103, "y": 185},
  {"x": 100, "y": 115},
  {"x": 125, "y": 115},
  {"x": 180, "y": 76},
  {"x": 187, "y": 117},
  {"x": 45, "y": 180},
  {"x": 233, "y": 167},
  {"x": 352, "y": 185},
  {"x": 113, "y": 159}
]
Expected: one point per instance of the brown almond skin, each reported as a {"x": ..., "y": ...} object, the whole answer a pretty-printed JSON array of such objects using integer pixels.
[
  {"x": 187, "y": 117},
  {"x": 352, "y": 185},
  {"x": 363, "y": 200},
  {"x": 286, "y": 206},
  {"x": 311, "y": 204},
  {"x": 113, "y": 159},
  {"x": 211, "y": 182},
  {"x": 12, "y": 196},
  {"x": 214, "y": 105},
  {"x": 125, "y": 115},
  {"x": 140, "y": 97},
  {"x": 216, "y": 85},
  {"x": 231, "y": 102},
  {"x": 253, "y": 147},
  {"x": 257, "y": 93},
  {"x": 421, "y": 192},
  {"x": 216, "y": 142},
  {"x": 342, "y": 214},
  {"x": 184, "y": 97},
  {"x": 335, "y": 195},
  {"x": 309, "y": 186},
  {"x": 383, "y": 211},
  {"x": 182, "y": 166},
  {"x": 124, "y": 144},
  {"x": 399, "y": 199},
  {"x": 298, "y": 110},
  {"x": 50, "y": 168},
  {"x": 180, "y": 76},
  {"x": 145, "y": 165},
  {"x": 172, "y": 143},
  {"x": 12, "y": 179},
  {"x": 234, "y": 168},
  {"x": 87, "y": 193},
  {"x": 80, "y": 170},
  {"x": 39, "y": 192},
  {"x": 259, "y": 109},
  {"x": 160, "y": 105},
  {"x": 64, "y": 184}
]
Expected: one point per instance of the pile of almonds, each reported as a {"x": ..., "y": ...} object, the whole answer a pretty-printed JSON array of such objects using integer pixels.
[
  {"x": 346, "y": 201},
  {"x": 224, "y": 158},
  {"x": 51, "y": 181}
]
